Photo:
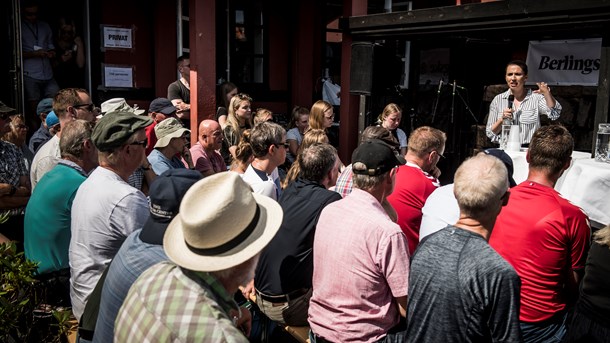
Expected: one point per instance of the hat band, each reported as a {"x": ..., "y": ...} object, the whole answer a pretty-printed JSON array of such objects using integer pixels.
[{"x": 230, "y": 244}]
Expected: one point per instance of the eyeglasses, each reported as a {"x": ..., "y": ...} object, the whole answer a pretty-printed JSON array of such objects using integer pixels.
[
  {"x": 89, "y": 107},
  {"x": 143, "y": 143},
  {"x": 439, "y": 154},
  {"x": 286, "y": 145},
  {"x": 505, "y": 198},
  {"x": 331, "y": 117}
]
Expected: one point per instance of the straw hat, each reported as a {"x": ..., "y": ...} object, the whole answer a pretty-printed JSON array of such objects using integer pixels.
[{"x": 221, "y": 224}]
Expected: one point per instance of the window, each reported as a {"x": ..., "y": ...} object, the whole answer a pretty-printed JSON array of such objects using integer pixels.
[{"x": 247, "y": 43}]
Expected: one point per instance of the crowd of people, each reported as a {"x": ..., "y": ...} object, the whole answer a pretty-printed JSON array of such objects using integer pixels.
[{"x": 147, "y": 238}]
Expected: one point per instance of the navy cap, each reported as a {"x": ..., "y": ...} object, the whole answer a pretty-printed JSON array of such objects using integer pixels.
[
  {"x": 44, "y": 106},
  {"x": 162, "y": 105},
  {"x": 166, "y": 193},
  {"x": 508, "y": 162}
]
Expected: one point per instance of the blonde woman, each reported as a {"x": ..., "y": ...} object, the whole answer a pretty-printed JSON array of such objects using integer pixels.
[
  {"x": 238, "y": 120},
  {"x": 322, "y": 117},
  {"x": 262, "y": 115},
  {"x": 390, "y": 119},
  {"x": 243, "y": 154}
]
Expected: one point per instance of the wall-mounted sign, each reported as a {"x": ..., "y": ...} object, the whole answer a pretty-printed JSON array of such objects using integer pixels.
[
  {"x": 118, "y": 76},
  {"x": 117, "y": 37},
  {"x": 565, "y": 62}
]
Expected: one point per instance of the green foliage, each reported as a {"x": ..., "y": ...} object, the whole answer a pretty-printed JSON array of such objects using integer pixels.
[{"x": 17, "y": 294}]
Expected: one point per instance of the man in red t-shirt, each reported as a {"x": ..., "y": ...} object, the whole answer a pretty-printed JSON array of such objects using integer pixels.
[
  {"x": 544, "y": 237},
  {"x": 417, "y": 179},
  {"x": 159, "y": 110}
]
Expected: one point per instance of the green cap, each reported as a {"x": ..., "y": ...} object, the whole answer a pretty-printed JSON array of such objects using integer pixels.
[{"x": 114, "y": 130}]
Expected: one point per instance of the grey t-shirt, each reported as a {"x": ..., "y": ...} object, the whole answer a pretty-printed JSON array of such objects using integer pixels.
[{"x": 461, "y": 290}]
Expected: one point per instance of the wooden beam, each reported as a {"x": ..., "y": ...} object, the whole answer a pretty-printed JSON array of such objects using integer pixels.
[
  {"x": 500, "y": 13},
  {"x": 202, "y": 41}
]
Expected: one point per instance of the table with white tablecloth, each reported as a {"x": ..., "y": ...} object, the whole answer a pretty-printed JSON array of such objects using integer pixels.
[
  {"x": 587, "y": 184},
  {"x": 521, "y": 166}
]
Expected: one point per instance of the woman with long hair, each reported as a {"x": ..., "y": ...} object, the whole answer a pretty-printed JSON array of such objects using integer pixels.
[
  {"x": 238, "y": 120},
  {"x": 322, "y": 116},
  {"x": 243, "y": 154},
  {"x": 390, "y": 119},
  {"x": 226, "y": 91}
]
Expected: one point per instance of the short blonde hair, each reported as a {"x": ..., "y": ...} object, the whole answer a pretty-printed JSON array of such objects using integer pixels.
[{"x": 425, "y": 139}]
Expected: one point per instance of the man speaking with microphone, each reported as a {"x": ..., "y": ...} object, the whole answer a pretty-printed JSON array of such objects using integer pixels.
[{"x": 523, "y": 106}]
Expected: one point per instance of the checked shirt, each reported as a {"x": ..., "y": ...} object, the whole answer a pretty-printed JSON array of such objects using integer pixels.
[{"x": 171, "y": 304}]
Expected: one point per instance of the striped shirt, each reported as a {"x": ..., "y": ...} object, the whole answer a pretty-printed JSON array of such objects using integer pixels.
[{"x": 527, "y": 115}]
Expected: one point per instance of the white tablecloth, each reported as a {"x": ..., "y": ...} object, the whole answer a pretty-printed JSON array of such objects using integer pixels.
[
  {"x": 521, "y": 166},
  {"x": 587, "y": 184}
]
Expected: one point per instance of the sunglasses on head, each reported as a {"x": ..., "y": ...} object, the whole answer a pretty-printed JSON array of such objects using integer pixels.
[{"x": 243, "y": 96}]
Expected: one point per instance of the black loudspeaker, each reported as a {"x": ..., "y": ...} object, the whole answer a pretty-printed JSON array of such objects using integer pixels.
[
  {"x": 361, "y": 69},
  {"x": 374, "y": 69}
]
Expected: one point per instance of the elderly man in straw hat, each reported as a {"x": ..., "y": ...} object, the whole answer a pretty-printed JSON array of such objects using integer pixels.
[
  {"x": 106, "y": 209},
  {"x": 212, "y": 253}
]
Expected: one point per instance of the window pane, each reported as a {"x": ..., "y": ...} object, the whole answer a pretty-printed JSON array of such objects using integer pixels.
[
  {"x": 258, "y": 70},
  {"x": 258, "y": 41}
]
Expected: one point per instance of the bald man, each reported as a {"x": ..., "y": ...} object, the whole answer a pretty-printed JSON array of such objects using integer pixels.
[{"x": 205, "y": 153}]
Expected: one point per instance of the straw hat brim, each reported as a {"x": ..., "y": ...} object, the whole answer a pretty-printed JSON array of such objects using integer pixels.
[{"x": 270, "y": 219}]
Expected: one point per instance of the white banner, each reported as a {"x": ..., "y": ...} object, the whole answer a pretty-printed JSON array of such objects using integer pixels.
[{"x": 564, "y": 62}]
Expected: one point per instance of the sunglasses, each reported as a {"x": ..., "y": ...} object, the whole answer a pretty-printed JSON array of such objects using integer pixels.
[
  {"x": 143, "y": 143},
  {"x": 88, "y": 107},
  {"x": 286, "y": 145}
]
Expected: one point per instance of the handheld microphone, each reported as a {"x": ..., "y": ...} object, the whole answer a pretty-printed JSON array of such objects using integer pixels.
[
  {"x": 511, "y": 98},
  {"x": 440, "y": 85},
  {"x": 453, "y": 87}
]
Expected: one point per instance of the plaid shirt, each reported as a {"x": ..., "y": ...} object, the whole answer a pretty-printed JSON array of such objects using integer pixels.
[
  {"x": 171, "y": 304},
  {"x": 12, "y": 167},
  {"x": 344, "y": 182}
]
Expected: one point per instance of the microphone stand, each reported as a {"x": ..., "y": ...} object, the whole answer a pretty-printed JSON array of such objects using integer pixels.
[
  {"x": 438, "y": 96},
  {"x": 466, "y": 105},
  {"x": 453, "y": 101}
]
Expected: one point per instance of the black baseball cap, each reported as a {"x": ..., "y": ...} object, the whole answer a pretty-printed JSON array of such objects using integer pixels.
[{"x": 374, "y": 158}]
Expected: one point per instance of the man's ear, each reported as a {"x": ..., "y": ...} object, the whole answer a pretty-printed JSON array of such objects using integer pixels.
[{"x": 88, "y": 144}]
